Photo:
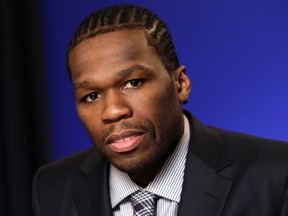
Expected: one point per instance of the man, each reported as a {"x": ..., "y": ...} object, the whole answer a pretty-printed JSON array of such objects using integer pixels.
[{"x": 128, "y": 88}]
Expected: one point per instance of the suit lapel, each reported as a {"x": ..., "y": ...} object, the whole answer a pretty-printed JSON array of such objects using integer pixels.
[
  {"x": 205, "y": 190},
  {"x": 91, "y": 194}
]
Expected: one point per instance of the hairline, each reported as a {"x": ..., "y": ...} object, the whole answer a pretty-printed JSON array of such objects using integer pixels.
[{"x": 139, "y": 27}]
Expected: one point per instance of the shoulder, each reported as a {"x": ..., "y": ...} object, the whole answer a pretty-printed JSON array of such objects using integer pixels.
[
  {"x": 68, "y": 169},
  {"x": 256, "y": 168},
  {"x": 53, "y": 182},
  {"x": 247, "y": 146},
  {"x": 255, "y": 160},
  {"x": 242, "y": 149},
  {"x": 236, "y": 144}
]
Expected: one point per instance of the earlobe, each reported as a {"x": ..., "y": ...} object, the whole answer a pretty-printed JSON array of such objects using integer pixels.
[{"x": 183, "y": 84}]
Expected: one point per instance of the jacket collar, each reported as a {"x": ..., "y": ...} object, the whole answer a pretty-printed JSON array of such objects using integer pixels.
[
  {"x": 206, "y": 143},
  {"x": 205, "y": 190},
  {"x": 91, "y": 193}
]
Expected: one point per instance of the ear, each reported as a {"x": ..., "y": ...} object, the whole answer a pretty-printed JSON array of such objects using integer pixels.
[{"x": 183, "y": 84}]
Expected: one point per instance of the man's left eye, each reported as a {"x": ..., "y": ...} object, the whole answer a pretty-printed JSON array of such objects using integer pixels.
[{"x": 132, "y": 83}]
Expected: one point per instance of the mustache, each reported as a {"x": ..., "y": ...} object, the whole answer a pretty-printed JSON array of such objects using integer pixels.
[{"x": 124, "y": 126}]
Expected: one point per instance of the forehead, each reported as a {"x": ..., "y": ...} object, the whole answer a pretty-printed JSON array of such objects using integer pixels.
[{"x": 112, "y": 51}]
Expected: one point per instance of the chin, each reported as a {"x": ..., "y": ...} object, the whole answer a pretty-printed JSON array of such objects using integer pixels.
[{"x": 136, "y": 165}]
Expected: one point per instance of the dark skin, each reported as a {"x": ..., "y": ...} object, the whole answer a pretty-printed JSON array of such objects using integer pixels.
[{"x": 128, "y": 102}]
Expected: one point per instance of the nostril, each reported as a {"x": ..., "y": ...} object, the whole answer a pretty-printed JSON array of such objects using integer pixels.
[
  {"x": 115, "y": 119},
  {"x": 116, "y": 113}
]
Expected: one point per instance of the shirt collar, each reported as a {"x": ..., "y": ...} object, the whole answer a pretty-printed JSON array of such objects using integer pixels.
[{"x": 166, "y": 184}]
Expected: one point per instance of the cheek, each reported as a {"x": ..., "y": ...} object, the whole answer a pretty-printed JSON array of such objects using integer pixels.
[
  {"x": 158, "y": 105},
  {"x": 89, "y": 119},
  {"x": 82, "y": 114},
  {"x": 161, "y": 99}
]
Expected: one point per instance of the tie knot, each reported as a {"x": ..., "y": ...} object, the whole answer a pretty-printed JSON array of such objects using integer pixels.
[{"x": 143, "y": 203}]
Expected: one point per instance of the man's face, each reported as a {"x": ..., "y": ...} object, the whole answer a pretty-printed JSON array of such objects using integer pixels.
[{"x": 127, "y": 101}]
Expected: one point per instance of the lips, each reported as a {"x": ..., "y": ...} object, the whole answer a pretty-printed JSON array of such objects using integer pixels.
[{"x": 125, "y": 141}]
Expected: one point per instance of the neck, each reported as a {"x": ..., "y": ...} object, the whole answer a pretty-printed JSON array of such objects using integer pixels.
[{"x": 145, "y": 176}]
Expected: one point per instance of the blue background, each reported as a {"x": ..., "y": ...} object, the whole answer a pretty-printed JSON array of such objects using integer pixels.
[{"x": 236, "y": 54}]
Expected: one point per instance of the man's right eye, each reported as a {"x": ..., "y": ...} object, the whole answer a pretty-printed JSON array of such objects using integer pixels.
[{"x": 92, "y": 97}]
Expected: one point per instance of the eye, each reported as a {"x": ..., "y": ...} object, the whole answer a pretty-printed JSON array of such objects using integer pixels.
[
  {"x": 132, "y": 83},
  {"x": 92, "y": 97}
]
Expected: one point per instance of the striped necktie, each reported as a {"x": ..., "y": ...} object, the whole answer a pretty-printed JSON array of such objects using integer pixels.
[{"x": 143, "y": 203}]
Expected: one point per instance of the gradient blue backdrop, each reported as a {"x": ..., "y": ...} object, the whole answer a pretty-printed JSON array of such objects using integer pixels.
[{"x": 236, "y": 53}]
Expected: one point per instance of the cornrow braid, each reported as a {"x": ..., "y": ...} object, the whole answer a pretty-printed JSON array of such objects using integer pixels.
[{"x": 128, "y": 17}]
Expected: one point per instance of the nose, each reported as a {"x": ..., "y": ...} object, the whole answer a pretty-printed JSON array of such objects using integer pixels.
[{"x": 115, "y": 108}]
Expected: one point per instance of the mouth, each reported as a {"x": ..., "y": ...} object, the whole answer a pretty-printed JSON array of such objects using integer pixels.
[{"x": 125, "y": 141}]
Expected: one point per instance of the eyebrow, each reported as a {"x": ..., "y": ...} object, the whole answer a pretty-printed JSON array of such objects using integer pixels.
[{"x": 122, "y": 73}]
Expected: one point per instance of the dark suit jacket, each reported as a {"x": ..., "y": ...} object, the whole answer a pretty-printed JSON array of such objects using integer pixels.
[{"x": 227, "y": 174}]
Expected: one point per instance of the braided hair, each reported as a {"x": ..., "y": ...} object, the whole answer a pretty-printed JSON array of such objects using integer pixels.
[{"x": 128, "y": 17}]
